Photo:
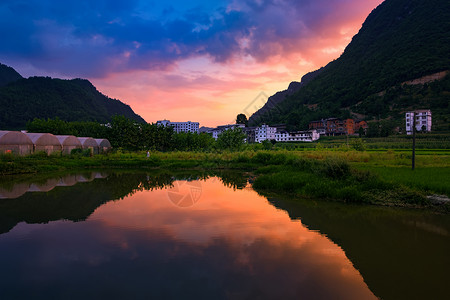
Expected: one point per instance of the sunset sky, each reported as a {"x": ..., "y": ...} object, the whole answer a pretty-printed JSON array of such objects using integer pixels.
[{"x": 199, "y": 60}]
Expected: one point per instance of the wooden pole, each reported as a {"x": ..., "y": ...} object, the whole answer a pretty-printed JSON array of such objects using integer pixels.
[{"x": 414, "y": 142}]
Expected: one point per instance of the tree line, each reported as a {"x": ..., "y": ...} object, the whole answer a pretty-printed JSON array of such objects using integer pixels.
[{"x": 129, "y": 135}]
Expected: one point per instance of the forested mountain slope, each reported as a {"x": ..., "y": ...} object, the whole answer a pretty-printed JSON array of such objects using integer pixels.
[
  {"x": 400, "y": 40},
  {"x": 70, "y": 100}
]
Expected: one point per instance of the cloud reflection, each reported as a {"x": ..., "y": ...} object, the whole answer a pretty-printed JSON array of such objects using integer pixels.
[{"x": 231, "y": 244}]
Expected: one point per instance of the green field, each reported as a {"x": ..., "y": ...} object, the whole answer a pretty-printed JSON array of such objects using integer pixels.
[{"x": 375, "y": 177}]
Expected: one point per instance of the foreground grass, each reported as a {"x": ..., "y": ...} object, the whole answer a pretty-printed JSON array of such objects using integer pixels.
[{"x": 382, "y": 177}]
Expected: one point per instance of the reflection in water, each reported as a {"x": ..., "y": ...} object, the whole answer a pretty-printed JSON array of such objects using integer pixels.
[
  {"x": 402, "y": 254},
  {"x": 16, "y": 190},
  {"x": 228, "y": 244}
]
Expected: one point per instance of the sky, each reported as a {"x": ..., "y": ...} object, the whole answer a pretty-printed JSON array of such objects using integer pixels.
[{"x": 199, "y": 60}]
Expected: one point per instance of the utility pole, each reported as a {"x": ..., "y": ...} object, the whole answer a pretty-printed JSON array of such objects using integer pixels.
[{"x": 414, "y": 141}]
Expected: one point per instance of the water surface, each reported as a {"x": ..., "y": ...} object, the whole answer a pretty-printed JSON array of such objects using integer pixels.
[
  {"x": 196, "y": 236},
  {"x": 189, "y": 239}
]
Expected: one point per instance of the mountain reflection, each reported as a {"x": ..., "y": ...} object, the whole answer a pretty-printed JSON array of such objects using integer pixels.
[
  {"x": 232, "y": 244},
  {"x": 76, "y": 196}
]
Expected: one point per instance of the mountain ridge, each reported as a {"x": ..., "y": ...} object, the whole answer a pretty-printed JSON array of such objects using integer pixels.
[
  {"x": 8, "y": 75},
  {"x": 23, "y": 99},
  {"x": 401, "y": 40},
  {"x": 278, "y": 97}
]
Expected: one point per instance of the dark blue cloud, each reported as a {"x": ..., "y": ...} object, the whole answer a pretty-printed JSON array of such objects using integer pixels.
[{"x": 92, "y": 38}]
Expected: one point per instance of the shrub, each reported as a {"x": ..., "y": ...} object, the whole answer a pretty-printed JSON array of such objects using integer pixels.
[
  {"x": 262, "y": 157},
  {"x": 76, "y": 151},
  {"x": 358, "y": 144},
  {"x": 334, "y": 167}
]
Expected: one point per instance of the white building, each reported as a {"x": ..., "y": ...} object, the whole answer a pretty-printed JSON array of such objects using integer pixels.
[
  {"x": 265, "y": 132},
  {"x": 298, "y": 136},
  {"x": 423, "y": 121},
  {"x": 181, "y": 126}
]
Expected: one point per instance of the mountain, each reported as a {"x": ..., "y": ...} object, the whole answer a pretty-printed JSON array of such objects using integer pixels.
[
  {"x": 274, "y": 100},
  {"x": 8, "y": 75},
  {"x": 23, "y": 100},
  {"x": 400, "y": 41}
]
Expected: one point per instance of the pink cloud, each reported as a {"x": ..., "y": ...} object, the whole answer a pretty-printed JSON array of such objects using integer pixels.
[{"x": 213, "y": 93}]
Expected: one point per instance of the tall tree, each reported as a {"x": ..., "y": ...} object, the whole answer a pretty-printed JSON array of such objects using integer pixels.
[{"x": 242, "y": 119}]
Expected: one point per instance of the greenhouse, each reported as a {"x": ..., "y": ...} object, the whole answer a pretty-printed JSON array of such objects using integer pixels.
[
  {"x": 47, "y": 186},
  {"x": 103, "y": 145},
  {"x": 68, "y": 143},
  {"x": 67, "y": 180},
  {"x": 15, "y": 142},
  {"x": 16, "y": 191},
  {"x": 45, "y": 142},
  {"x": 89, "y": 143}
]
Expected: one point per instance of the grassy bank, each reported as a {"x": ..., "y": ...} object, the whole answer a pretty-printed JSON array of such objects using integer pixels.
[{"x": 375, "y": 177}]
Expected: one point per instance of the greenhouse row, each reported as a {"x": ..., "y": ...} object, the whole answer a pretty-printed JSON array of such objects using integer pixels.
[
  {"x": 21, "y": 188},
  {"x": 24, "y": 143}
]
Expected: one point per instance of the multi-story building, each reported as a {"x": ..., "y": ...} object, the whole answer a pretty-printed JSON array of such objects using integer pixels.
[
  {"x": 320, "y": 126},
  {"x": 251, "y": 134},
  {"x": 180, "y": 126},
  {"x": 298, "y": 136},
  {"x": 334, "y": 126},
  {"x": 339, "y": 127},
  {"x": 422, "y": 121},
  {"x": 361, "y": 124},
  {"x": 265, "y": 132}
]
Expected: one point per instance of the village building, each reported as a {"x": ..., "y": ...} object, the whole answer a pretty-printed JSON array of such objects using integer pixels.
[
  {"x": 68, "y": 143},
  {"x": 219, "y": 129},
  {"x": 422, "y": 121},
  {"x": 45, "y": 142},
  {"x": 251, "y": 134},
  {"x": 336, "y": 126},
  {"x": 264, "y": 132},
  {"x": 178, "y": 127},
  {"x": 297, "y": 136},
  {"x": 361, "y": 124},
  {"x": 15, "y": 142}
]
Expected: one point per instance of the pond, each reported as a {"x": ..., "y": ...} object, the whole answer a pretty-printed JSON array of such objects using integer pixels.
[{"x": 208, "y": 236}]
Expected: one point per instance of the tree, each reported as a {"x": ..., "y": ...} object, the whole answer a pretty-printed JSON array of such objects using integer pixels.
[
  {"x": 124, "y": 133},
  {"x": 242, "y": 119},
  {"x": 361, "y": 132},
  {"x": 232, "y": 139}
]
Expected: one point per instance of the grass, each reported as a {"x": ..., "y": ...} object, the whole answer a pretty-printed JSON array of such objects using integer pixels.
[
  {"x": 430, "y": 179},
  {"x": 376, "y": 177}
]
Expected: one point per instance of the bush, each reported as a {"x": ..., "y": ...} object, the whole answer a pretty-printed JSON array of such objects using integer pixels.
[
  {"x": 81, "y": 152},
  {"x": 76, "y": 151},
  {"x": 262, "y": 157},
  {"x": 358, "y": 144},
  {"x": 334, "y": 167}
]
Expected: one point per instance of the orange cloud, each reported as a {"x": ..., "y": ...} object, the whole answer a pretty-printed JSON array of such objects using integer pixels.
[{"x": 213, "y": 93}]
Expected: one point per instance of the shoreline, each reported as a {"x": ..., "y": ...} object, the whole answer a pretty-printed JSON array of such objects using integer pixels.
[{"x": 356, "y": 177}]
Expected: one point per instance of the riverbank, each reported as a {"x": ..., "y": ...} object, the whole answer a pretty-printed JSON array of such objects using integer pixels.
[{"x": 380, "y": 178}]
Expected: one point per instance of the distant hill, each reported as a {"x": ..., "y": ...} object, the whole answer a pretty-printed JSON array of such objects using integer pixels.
[
  {"x": 8, "y": 75},
  {"x": 400, "y": 41},
  {"x": 23, "y": 100},
  {"x": 279, "y": 97}
]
